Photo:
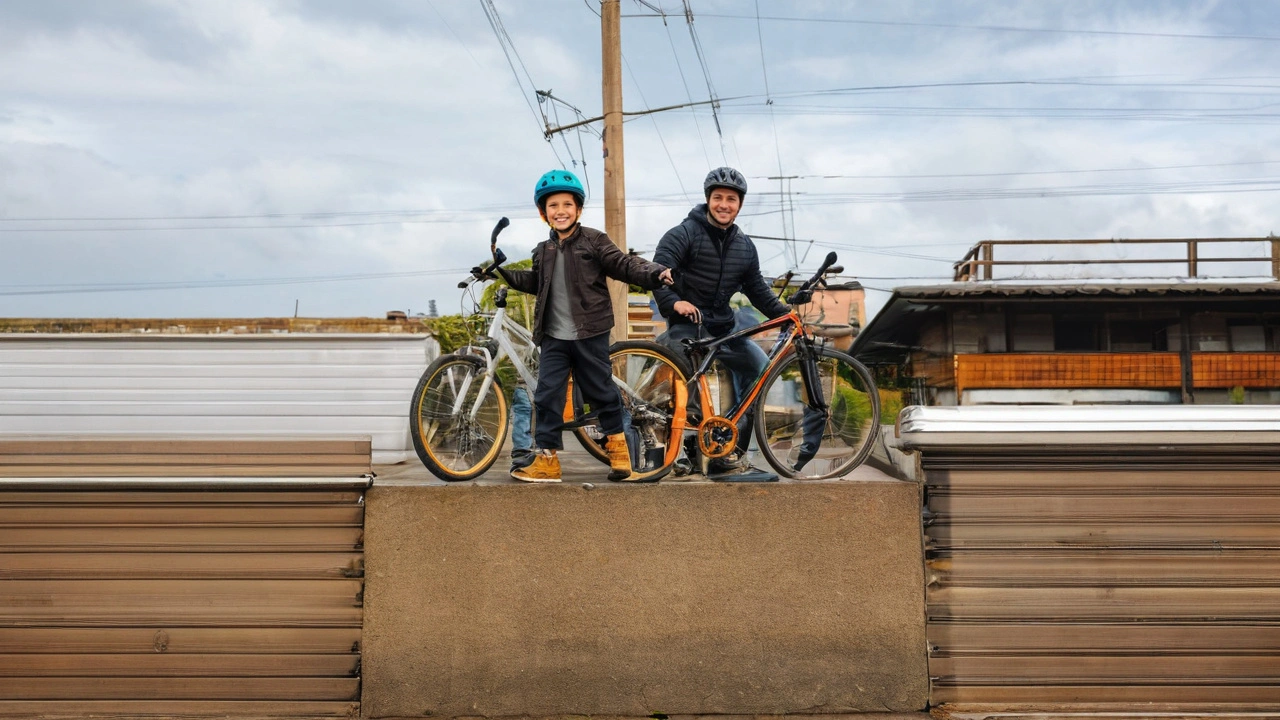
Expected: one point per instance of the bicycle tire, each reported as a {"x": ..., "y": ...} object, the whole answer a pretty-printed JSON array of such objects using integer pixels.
[
  {"x": 849, "y": 430},
  {"x": 661, "y": 418},
  {"x": 452, "y": 447}
]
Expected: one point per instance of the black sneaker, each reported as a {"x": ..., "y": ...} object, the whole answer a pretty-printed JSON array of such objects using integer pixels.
[{"x": 731, "y": 464}]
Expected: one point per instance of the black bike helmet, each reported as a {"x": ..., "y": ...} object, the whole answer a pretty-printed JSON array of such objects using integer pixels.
[{"x": 725, "y": 177}]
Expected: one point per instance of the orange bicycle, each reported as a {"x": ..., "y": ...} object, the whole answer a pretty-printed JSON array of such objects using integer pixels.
[{"x": 817, "y": 410}]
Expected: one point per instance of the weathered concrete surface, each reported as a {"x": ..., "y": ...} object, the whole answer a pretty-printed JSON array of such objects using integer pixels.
[{"x": 683, "y": 598}]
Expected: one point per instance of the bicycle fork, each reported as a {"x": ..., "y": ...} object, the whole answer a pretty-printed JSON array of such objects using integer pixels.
[{"x": 810, "y": 375}]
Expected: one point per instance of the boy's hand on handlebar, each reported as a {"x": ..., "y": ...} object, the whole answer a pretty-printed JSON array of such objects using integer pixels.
[
  {"x": 689, "y": 310},
  {"x": 665, "y": 277}
]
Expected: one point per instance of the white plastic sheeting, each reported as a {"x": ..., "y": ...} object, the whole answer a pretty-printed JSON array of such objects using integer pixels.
[
  {"x": 992, "y": 425},
  {"x": 237, "y": 385}
]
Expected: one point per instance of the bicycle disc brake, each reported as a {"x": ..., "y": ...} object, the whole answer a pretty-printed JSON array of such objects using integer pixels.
[{"x": 717, "y": 437}]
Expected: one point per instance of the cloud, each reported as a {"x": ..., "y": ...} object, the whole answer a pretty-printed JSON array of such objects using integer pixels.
[{"x": 387, "y": 137}]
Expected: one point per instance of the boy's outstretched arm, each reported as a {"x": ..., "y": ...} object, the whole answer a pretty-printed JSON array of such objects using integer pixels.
[
  {"x": 526, "y": 281},
  {"x": 631, "y": 269}
]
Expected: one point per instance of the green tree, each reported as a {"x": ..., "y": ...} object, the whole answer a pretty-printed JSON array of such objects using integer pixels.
[
  {"x": 519, "y": 305},
  {"x": 451, "y": 331}
]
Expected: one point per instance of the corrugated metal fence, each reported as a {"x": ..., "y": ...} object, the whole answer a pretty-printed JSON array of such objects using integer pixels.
[
  {"x": 166, "y": 577},
  {"x": 1102, "y": 558},
  {"x": 292, "y": 385}
]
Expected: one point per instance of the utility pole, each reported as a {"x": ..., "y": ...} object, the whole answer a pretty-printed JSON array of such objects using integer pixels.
[{"x": 615, "y": 204}]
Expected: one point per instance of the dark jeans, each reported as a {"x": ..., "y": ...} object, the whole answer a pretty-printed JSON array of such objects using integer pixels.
[
  {"x": 742, "y": 357},
  {"x": 588, "y": 360}
]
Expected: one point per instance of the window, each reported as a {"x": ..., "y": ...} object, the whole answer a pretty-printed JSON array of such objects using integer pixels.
[
  {"x": 1077, "y": 333},
  {"x": 1141, "y": 332},
  {"x": 1031, "y": 333}
]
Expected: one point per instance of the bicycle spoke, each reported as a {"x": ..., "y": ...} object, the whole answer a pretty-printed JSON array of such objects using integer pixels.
[
  {"x": 649, "y": 384},
  {"x": 801, "y": 441},
  {"x": 452, "y": 442}
]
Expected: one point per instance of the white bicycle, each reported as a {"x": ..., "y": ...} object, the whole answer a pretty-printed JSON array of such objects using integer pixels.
[{"x": 459, "y": 415}]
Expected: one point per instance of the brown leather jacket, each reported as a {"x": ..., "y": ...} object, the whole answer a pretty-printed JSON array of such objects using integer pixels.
[{"x": 591, "y": 258}]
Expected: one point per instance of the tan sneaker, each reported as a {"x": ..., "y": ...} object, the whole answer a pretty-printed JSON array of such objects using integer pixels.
[
  {"x": 545, "y": 468},
  {"x": 619, "y": 457}
]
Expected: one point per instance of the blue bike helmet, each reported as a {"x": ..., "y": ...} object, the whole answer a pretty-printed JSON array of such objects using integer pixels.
[{"x": 557, "y": 181}]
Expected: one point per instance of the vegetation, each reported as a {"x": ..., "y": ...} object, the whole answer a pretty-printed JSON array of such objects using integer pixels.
[
  {"x": 457, "y": 331},
  {"x": 451, "y": 331},
  {"x": 519, "y": 305}
]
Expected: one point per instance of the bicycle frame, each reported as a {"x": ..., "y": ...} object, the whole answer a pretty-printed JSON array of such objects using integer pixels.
[
  {"x": 792, "y": 327},
  {"x": 794, "y": 335},
  {"x": 511, "y": 340}
]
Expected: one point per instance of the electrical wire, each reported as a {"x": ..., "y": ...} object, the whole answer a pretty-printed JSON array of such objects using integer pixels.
[
  {"x": 1028, "y": 172},
  {"x": 777, "y": 146},
  {"x": 454, "y": 33},
  {"x": 267, "y": 221},
  {"x": 509, "y": 49},
  {"x": 706, "y": 74},
  {"x": 1001, "y": 28},
  {"x": 854, "y": 248},
  {"x": 688, "y": 93},
  {"x": 75, "y": 289},
  {"x": 656, "y": 129}
]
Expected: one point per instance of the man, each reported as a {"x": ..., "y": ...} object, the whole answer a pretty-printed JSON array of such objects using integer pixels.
[{"x": 712, "y": 259}]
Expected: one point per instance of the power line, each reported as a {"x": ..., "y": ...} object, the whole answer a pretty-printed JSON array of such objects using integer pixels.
[
  {"x": 783, "y": 183},
  {"x": 1028, "y": 172},
  {"x": 688, "y": 93},
  {"x": 459, "y": 215},
  {"x": 1259, "y": 115},
  {"x": 749, "y": 103},
  {"x": 454, "y": 33},
  {"x": 1000, "y": 28},
  {"x": 76, "y": 289},
  {"x": 653, "y": 118},
  {"x": 509, "y": 49},
  {"x": 854, "y": 248},
  {"x": 706, "y": 74},
  {"x": 1232, "y": 186}
]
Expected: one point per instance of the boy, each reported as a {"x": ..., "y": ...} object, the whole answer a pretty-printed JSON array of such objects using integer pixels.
[{"x": 572, "y": 320}]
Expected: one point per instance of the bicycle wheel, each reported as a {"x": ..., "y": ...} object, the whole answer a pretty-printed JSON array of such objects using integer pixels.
[
  {"x": 800, "y": 442},
  {"x": 652, "y": 381},
  {"x": 454, "y": 442}
]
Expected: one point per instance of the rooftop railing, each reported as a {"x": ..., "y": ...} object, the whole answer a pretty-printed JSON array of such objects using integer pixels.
[{"x": 980, "y": 262}]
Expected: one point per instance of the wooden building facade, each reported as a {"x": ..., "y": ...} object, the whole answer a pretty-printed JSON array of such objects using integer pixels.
[{"x": 1177, "y": 340}]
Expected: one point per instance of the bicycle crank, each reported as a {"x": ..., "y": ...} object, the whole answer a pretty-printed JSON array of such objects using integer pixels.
[{"x": 717, "y": 437}]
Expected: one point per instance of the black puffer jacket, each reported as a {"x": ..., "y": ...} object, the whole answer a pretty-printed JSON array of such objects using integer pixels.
[
  {"x": 591, "y": 257},
  {"x": 708, "y": 276}
]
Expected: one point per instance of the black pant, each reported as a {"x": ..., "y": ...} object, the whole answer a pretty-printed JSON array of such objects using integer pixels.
[{"x": 588, "y": 360}]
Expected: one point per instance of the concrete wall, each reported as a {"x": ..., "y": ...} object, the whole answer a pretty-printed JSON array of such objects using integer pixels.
[{"x": 676, "y": 598}]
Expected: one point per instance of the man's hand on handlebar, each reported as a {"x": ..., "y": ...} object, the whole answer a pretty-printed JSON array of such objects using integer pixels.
[{"x": 689, "y": 310}]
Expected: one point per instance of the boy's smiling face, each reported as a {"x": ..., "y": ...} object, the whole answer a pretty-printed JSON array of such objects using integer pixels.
[{"x": 561, "y": 211}]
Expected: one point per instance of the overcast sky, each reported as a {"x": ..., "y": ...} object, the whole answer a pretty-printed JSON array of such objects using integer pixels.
[{"x": 243, "y": 158}]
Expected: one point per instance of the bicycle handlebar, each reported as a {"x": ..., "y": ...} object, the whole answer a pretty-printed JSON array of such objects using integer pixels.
[
  {"x": 805, "y": 293},
  {"x": 493, "y": 239},
  {"x": 486, "y": 272}
]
